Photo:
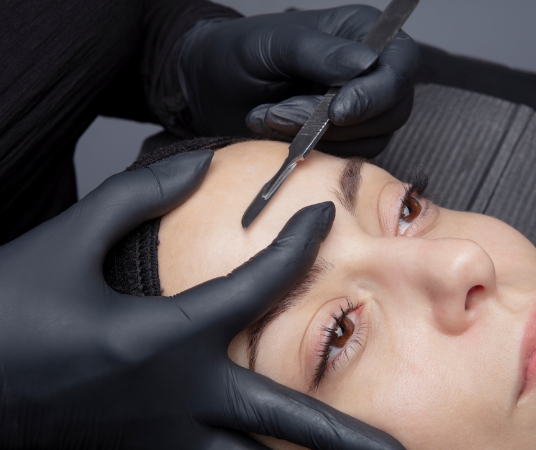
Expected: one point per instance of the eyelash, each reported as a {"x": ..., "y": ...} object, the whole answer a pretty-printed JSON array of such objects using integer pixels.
[
  {"x": 328, "y": 336},
  {"x": 418, "y": 183}
]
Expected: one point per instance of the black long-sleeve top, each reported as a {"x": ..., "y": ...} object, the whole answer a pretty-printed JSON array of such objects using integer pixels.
[{"x": 64, "y": 62}]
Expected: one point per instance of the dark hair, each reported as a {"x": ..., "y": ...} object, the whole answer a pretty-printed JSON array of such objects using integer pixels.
[{"x": 131, "y": 267}]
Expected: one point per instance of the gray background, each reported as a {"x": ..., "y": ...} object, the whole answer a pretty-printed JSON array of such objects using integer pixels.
[{"x": 501, "y": 31}]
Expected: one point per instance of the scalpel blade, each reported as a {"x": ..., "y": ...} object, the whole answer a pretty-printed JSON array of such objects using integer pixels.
[{"x": 385, "y": 28}]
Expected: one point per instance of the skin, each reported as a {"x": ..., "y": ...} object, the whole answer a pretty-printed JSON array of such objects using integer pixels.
[{"x": 442, "y": 311}]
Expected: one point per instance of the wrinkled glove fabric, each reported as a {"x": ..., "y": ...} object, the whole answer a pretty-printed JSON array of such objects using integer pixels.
[{"x": 84, "y": 367}]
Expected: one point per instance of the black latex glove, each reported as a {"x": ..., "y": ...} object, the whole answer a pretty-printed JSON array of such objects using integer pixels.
[
  {"x": 85, "y": 367},
  {"x": 271, "y": 66}
]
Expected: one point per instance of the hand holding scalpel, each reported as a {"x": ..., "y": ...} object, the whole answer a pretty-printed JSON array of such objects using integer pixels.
[{"x": 387, "y": 26}]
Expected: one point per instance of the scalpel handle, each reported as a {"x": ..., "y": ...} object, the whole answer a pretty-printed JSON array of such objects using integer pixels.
[
  {"x": 314, "y": 128},
  {"x": 312, "y": 131}
]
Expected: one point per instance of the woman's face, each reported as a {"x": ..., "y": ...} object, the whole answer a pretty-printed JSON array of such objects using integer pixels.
[{"x": 416, "y": 319}]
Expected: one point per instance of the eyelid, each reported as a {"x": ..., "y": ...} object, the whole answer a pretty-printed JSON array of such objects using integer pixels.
[
  {"x": 424, "y": 222},
  {"x": 413, "y": 225},
  {"x": 389, "y": 201},
  {"x": 323, "y": 367}
]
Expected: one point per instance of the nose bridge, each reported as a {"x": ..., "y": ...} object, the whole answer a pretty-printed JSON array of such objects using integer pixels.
[{"x": 445, "y": 279}]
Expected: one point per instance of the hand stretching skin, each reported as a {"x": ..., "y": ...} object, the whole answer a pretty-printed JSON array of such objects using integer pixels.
[
  {"x": 268, "y": 73},
  {"x": 85, "y": 367}
]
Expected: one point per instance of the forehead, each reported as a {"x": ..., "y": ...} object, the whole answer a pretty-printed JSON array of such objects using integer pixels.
[{"x": 203, "y": 238}]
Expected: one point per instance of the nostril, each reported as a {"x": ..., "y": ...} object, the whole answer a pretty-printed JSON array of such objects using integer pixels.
[{"x": 472, "y": 295}]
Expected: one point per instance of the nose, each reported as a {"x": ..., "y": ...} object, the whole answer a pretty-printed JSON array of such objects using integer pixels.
[{"x": 450, "y": 279}]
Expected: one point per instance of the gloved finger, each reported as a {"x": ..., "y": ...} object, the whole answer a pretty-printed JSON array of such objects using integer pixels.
[
  {"x": 256, "y": 121},
  {"x": 364, "y": 147},
  {"x": 260, "y": 405},
  {"x": 227, "y": 305},
  {"x": 294, "y": 52},
  {"x": 383, "y": 124},
  {"x": 126, "y": 200},
  {"x": 288, "y": 117},
  {"x": 372, "y": 94}
]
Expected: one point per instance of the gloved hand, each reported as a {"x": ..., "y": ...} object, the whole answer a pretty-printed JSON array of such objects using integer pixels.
[
  {"x": 85, "y": 367},
  {"x": 274, "y": 69}
]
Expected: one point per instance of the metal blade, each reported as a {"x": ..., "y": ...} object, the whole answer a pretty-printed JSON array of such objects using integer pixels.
[
  {"x": 389, "y": 23},
  {"x": 386, "y": 27},
  {"x": 301, "y": 146}
]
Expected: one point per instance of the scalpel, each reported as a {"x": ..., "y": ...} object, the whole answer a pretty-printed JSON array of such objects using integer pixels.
[{"x": 387, "y": 26}]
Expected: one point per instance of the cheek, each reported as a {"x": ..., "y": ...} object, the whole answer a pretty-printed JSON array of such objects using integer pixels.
[
  {"x": 407, "y": 392},
  {"x": 421, "y": 389}
]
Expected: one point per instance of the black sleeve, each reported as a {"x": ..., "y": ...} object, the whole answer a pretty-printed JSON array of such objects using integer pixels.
[
  {"x": 148, "y": 89},
  {"x": 63, "y": 63}
]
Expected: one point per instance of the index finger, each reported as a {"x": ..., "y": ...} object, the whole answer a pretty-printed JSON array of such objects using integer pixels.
[
  {"x": 127, "y": 199},
  {"x": 231, "y": 303}
]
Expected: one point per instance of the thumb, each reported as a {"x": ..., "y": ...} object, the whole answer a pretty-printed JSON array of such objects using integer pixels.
[
  {"x": 126, "y": 200},
  {"x": 260, "y": 405},
  {"x": 319, "y": 57}
]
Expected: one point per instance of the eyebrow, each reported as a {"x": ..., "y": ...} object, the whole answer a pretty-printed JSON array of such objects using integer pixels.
[
  {"x": 349, "y": 183},
  {"x": 347, "y": 189},
  {"x": 317, "y": 272}
]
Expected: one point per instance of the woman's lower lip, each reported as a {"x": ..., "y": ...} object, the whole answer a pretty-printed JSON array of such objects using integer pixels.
[
  {"x": 528, "y": 355},
  {"x": 531, "y": 368}
]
